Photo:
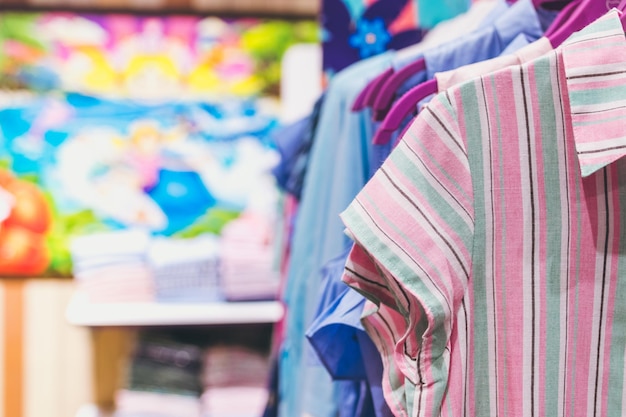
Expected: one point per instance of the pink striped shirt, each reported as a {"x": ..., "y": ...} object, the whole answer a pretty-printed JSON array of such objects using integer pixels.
[{"x": 492, "y": 241}]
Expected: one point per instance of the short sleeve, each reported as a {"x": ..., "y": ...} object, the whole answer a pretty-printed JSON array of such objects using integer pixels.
[{"x": 413, "y": 227}]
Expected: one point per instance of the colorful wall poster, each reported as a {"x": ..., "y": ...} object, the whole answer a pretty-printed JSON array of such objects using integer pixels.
[
  {"x": 115, "y": 122},
  {"x": 150, "y": 57},
  {"x": 73, "y": 164}
]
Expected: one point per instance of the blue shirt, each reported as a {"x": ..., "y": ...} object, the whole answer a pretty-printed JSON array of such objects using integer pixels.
[
  {"x": 506, "y": 29},
  {"x": 346, "y": 349},
  {"x": 288, "y": 140},
  {"x": 498, "y": 10},
  {"x": 338, "y": 168},
  {"x": 333, "y": 332},
  {"x": 298, "y": 172},
  {"x": 489, "y": 42}
]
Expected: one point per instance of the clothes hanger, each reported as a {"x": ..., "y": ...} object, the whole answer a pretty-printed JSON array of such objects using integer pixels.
[
  {"x": 409, "y": 101},
  {"x": 555, "y": 5},
  {"x": 384, "y": 98},
  {"x": 377, "y": 86},
  {"x": 359, "y": 103},
  {"x": 537, "y": 4},
  {"x": 364, "y": 99},
  {"x": 586, "y": 12},
  {"x": 401, "y": 109}
]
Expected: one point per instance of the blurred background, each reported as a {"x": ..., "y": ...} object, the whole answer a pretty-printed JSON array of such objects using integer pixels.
[
  {"x": 145, "y": 150},
  {"x": 141, "y": 225}
]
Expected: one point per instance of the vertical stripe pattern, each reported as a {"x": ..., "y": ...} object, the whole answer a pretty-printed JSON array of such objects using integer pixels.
[{"x": 491, "y": 242}]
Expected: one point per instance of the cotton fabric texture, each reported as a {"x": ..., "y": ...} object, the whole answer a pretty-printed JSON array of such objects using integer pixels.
[{"x": 491, "y": 243}]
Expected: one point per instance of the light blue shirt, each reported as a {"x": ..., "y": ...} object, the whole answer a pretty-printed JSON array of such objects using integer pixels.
[
  {"x": 339, "y": 167},
  {"x": 498, "y": 10},
  {"x": 489, "y": 42}
]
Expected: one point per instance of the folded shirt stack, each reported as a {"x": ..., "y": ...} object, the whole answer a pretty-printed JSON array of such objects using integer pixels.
[
  {"x": 163, "y": 380},
  {"x": 186, "y": 270},
  {"x": 154, "y": 404},
  {"x": 235, "y": 380},
  {"x": 113, "y": 267},
  {"x": 249, "y": 263},
  {"x": 234, "y": 402}
]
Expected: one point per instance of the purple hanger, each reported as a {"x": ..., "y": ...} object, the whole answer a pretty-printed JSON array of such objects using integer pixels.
[
  {"x": 401, "y": 109},
  {"x": 384, "y": 98},
  {"x": 364, "y": 97},
  {"x": 359, "y": 103},
  {"x": 377, "y": 85},
  {"x": 562, "y": 17},
  {"x": 551, "y": 4},
  {"x": 584, "y": 13},
  {"x": 538, "y": 3}
]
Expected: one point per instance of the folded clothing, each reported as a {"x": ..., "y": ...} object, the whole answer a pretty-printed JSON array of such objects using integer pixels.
[
  {"x": 236, "y": 380},
  {"x": 234, "y": 366},
  {"x": 148, "y": 376},
  {"x": 249, "y": 267},
  {"x": 234, "y": 402},
  {"x": 250, "y": 291},
  {"x": 151, "y": 404},
  {"x": 111, "y": 267},
  {"x": 167, "y": 251},
  {"x": 165, "y": 366},
  {"x": 119, "y": 242},
  {"x": 186, "y": 269},
  {"x": 117, "y": 283}
]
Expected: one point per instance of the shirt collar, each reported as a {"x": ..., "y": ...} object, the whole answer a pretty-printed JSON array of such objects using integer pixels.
[{"x": 595, "y": 68}]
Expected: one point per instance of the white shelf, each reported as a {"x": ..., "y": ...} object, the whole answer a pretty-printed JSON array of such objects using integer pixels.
[{"x": 83, "y": 313}]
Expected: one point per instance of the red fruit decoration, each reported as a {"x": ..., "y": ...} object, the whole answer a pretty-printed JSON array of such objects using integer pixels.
[
  {"x": 23, "y": 248},
  {"x": 22, "y": 252},
  {"x": 31, "y": 210}
]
